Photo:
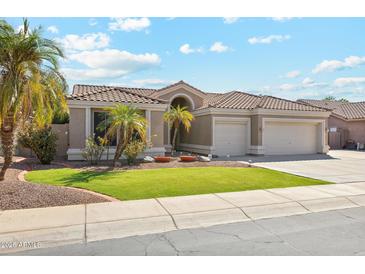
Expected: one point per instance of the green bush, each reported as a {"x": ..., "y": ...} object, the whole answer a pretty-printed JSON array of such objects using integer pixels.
[
  {"x": 93, "y": 151},
  {"x": 133, "y": 149},
  {"x": 42, "y": 141}
]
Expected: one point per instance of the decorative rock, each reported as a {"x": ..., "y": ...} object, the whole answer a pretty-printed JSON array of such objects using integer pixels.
[
  {"x": 148, "y": 159},
  {"x": 203, "y": 159}
]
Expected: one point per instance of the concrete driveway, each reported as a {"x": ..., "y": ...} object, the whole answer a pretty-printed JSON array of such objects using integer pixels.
[{"x": 338, "y": 166}]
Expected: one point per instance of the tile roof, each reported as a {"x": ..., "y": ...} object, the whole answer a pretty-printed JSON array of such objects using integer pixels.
[
  {"x": 243, "y": 100},
  {"x": 229, "y": 100},
  {"x": 345, "y": 110},
  {"x": 113, "y": 94}
]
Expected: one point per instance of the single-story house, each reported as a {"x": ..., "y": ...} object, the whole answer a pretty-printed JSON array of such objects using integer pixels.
[
  {"x": 232, "y": 123},
  {"x": 346, "y": 123}
]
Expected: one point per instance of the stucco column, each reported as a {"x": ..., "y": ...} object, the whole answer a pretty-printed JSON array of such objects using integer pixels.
[
  {"x": 257, "y": 128},
  {"x": 87, "y": 122}
]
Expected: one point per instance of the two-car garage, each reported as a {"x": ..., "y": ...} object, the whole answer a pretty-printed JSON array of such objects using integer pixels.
[
  {"x": 232, "y": 136},
  {"x": 290, "y": 138}
]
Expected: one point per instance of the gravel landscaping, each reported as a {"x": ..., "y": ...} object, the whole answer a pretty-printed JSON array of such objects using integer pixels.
[{"x": 15, "y": 194}]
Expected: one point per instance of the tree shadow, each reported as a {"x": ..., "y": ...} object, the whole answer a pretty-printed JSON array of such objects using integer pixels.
[{"x": 87, "y": 176}]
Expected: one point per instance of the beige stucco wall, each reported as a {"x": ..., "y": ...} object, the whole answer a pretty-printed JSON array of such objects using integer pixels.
[
  {"x": 62, "y": 131},
  {"x": 77, "y": 128},
  {"x": 356, "y": 129},
  {"x": 200, "y": 132},
  {"x": 198, "y": 101},
  {"x": 157, "y": 128}
]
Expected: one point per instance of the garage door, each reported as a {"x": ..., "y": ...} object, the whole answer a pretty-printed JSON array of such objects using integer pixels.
[
  {"x": 290, "y": 138},
  {"x": 230, "y": 138}
]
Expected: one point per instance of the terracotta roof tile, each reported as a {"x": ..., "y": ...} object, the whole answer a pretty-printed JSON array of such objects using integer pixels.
[
  {"x": 230, "y": 100},
  {"x": 113, "y": 94},
  {"x": 270, "y": 102},
  {"x": 346, "y": 110}
]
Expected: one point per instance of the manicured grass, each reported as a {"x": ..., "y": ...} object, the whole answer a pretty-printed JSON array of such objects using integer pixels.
[{"x": 166, "y": 182}]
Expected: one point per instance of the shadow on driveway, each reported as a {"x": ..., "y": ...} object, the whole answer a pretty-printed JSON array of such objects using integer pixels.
[{"x": 277, "y": 158}]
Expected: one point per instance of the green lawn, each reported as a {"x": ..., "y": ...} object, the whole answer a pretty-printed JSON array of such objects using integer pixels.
[{"x": 165, "y": 182}]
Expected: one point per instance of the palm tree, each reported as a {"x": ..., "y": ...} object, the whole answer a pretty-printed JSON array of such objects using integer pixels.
[
  {"x": 177, "y": 116},
  {"x": 126, "y": 122},
  {"x": 31, "y": 86}
]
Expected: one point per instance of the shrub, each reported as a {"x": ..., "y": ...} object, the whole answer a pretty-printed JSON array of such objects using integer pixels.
[
  {"x": 93, "y": 151},
  {"x": 132, "y": 150},
  {"x": 42, "y": 141}
]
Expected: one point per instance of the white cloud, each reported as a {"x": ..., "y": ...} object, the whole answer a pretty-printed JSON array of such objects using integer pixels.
[
  {"x": 186, "y": 49},
  {"x": 287, "y": 87},
  {"x": 87, "y": 41},
  {"x": 93, "y": 22},
  {"x": 268, "y": 39},
  {"x": 349, "y": 81},
  {"x": 110, "y": 63},
  {"x": 281, "y": 19},
  {"x": 151, "y": 82},
  {"x": 218, "y": 47},
  {"x": 230, "y": 20},
  {"x": 88, "y": 74},
  {"x": 52, "y": 29},
  {"x": 305, "y": 84},
  {"x": 292, "y": 74},
  {"x": 307, "y": 81},
  {"x": 333, "y": 65},
  {"x": 129, "y": 24}
]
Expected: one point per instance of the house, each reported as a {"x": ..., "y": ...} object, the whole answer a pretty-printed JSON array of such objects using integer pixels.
[
  {"x": 232, "y": 123},
  {"x": 346, "y": 123}
]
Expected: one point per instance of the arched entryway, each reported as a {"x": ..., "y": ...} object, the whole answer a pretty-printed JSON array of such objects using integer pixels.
[{"x": 181, "y": 100}]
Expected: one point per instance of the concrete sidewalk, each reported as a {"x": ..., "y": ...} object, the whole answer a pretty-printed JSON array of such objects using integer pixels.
[{"x": 46, "y": 227}]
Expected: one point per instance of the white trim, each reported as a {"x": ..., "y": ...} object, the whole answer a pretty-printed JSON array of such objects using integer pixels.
[
  {"x": 149, "y": 125},
  {"x": 75, "y": 154},
  {"x": 181, "y": 85},
  {"x": 97, "y": 104},
  {"x": 323, "y": 114},
  {"x": 256, "y": 150},
  {"x": 322, "y": 134},
  {"x": 241, "y": 120},
  {"x": 87, "y": 122},
  {"x": 184, "y": 96},
  {"x": 213, "y": 111}
]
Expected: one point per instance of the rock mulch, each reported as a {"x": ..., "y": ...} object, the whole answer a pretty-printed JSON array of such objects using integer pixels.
[
  {"x": 175, "y": 163},
  {"x": 15, "y": 194}
]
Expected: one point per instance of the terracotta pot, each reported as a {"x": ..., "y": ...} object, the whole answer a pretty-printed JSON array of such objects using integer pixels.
[
  {"x": 162, "y": 159},
  {"x": 187, "y": 158}
]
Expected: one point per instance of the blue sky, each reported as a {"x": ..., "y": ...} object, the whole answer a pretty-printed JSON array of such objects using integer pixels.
[{"x": 285, "y": 57}]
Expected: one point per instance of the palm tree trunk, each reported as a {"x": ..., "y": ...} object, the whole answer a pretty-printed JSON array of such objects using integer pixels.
[
  {"x": 118, "y": 153},
  {"x": 174, "y": 139},
  {"x": 120, "y": 147},
  {"x": 7, "y": 131}
]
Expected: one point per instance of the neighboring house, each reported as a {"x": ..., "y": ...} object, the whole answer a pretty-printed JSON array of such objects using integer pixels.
[
  {"x": 346, "y": 122},
  {"x": 233, "y": 123}
]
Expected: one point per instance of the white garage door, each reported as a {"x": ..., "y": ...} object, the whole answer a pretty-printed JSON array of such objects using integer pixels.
[
  {"x": 290, "y": 138},
  {"x": 230, "y": 138}
]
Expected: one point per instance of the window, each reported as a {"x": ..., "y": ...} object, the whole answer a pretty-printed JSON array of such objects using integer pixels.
[{"x": 100, "y": 119}]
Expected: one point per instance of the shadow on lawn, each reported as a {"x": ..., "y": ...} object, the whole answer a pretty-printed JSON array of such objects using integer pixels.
[{"x": 87, "y": 176}]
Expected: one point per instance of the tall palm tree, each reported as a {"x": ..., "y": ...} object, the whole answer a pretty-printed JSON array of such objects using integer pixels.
[
  {"x": 124, "y": 121},
  {"x": 177, "y": 116},
  {"x": 31, "y": 86}
]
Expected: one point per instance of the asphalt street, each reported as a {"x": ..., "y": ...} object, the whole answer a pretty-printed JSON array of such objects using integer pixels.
[{"x": 340, "y": 232}]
